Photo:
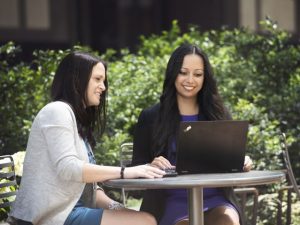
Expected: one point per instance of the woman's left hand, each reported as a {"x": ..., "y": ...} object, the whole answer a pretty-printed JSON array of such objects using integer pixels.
[{"x": 247, "y": 164}]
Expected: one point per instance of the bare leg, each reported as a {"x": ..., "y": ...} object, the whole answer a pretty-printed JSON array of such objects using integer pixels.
[
  {"x": 221, "y": 215},
  {"x": 127, "y": 217},
  {"x": 183, "y": 222}
]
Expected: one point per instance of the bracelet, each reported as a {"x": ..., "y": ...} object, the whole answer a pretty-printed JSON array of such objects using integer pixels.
[
  {"x": 115, "y": 205},
  {"x": 122, "y": 172}
]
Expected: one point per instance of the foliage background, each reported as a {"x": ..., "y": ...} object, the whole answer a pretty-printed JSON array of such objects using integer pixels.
[{"x": 258, "y": 76}]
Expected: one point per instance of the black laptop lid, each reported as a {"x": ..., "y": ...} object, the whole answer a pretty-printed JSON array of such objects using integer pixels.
[{"x": 211, "y": 146}]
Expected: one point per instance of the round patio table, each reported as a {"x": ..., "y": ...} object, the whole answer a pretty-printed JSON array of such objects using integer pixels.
[{"x": 196, "y": 182}]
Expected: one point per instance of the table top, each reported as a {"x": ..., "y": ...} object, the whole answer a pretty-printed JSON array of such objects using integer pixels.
[{"x": 202, "y": 180}]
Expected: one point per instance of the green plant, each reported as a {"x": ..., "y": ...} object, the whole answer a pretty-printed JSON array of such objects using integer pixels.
[{"x": 258, "y": 77}]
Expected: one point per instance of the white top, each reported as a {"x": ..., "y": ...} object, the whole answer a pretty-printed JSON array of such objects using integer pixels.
[{"x": 52, "y": 178}]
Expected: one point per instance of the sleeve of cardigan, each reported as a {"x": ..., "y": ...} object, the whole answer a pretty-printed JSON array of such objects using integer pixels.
[
  {"x": 59, "y": 130},
  {"x": 142, "y": 141}
]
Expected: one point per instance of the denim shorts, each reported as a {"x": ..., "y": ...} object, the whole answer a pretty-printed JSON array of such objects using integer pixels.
[{"x": 84, "y": 216}]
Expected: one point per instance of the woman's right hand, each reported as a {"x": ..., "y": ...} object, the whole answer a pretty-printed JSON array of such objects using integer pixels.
[
  {"x": 143, "y": 171},
  {"x": 162, "y": 163}
]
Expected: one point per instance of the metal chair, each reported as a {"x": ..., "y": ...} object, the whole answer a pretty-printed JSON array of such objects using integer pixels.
[
  {"x": 291, "y": 181},
  {"x": 243, "y": 195},
  {"x": 125, "y": 160},
  {"x": 8, "y": 184},
  {"x": 126, "y": 154}
]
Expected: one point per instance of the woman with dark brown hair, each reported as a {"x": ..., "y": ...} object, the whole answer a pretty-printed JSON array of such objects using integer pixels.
[
  {"x": 189, "y": 94},
  {"x": 59, "y": 182}
]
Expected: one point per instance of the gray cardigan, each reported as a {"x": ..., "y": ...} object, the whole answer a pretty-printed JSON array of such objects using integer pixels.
[{"x": 52, "y": 174}]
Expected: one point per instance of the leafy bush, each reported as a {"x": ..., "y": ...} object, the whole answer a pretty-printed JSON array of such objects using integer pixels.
[
  {"x": 268, "y": 204},
  {"x": 258, "y": 76}
]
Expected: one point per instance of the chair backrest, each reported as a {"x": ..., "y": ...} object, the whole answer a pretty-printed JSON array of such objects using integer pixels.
[
  {"x": 126, "y": 154},
  {"x": 288, "y": 164},
  {"x": 8, "y": 182}
]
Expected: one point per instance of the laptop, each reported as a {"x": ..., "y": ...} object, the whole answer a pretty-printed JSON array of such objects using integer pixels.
[{"x": 211, "y": 146}]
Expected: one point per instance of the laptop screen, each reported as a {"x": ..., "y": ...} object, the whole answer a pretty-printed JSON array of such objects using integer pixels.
[{"x": 211, "y": 146}]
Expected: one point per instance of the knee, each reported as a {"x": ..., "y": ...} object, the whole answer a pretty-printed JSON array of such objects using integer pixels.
[
  {"x": 149, "y": 219},
  {"x": 227, "y": 219}
]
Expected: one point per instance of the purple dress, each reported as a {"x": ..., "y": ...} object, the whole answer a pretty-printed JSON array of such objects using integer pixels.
[{"x": 176, "y": 207}]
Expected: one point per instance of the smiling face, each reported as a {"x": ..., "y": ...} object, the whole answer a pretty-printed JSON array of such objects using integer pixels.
[
  {"x": 96, "y": 85},
  {"x": 190, "y": 78}
]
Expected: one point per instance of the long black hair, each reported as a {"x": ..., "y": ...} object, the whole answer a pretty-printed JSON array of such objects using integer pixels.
[
  {"x": 70, "y": 85},
  {"x": 209, "y": 100}
]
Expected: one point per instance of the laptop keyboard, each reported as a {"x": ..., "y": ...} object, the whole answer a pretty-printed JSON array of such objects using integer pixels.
[{"x": 170, "y": 172}]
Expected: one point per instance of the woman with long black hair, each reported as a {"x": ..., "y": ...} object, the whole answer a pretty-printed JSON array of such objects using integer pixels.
[{"x": 189, "y": 94}]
